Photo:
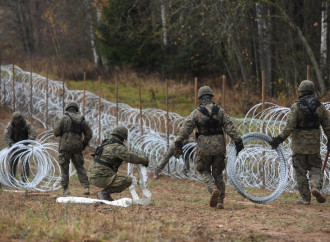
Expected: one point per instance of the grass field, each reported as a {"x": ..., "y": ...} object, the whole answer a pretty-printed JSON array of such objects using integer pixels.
[{"x": 179, "y": 211}]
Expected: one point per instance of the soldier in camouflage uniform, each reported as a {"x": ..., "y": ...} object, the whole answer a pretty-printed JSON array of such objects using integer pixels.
[
  {"x": 304, "y": 120},
  {"x": 169, "y": 154},
  {"x": 107, "y": 159},
  {"x": 17, "y": 130},
  {"x": 70, "y": 128},
  {"x": 211, "y": 122}
]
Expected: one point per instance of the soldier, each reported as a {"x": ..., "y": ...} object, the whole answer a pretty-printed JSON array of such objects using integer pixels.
[
  {"x": 107, "y": 159},
  {"x": 304, "y": 120},
  {"x": 169, "y": 154},
  {"x": 211, "y": 121},
  {"x": 17, "y": 130},
  {"x": 70, "y": 128}
]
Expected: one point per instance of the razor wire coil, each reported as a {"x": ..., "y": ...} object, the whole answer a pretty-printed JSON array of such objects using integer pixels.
[{"x": 253, "y": 151}]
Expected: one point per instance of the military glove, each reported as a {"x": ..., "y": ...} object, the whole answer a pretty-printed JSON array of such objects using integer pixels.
[
  {"x": 84, "y": 145},
  {"x": 275, "y": 142},
  {"x": 239, "y": 145},
  {"x": 146, "y": 165},
  {"x": 178, "y": 149}
]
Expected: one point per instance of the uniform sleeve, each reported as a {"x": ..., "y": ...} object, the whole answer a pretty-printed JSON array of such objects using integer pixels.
[
  {"x": 87, "y": 131},
  {"x": 325, "y": 120},
  {"x": 58, "y": 128},
  {"x": 31, "y": 131},
  {"x": 123, "y": 153},
  {"x": 229, "y": 127},
  {"x": 291, "y": 122},
  {"x": 8, "y": 134},
  {"x": 187, "y": 127}
]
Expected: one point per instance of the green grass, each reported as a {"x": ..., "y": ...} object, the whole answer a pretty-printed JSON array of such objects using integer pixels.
[{"x": 152, "y": 97}]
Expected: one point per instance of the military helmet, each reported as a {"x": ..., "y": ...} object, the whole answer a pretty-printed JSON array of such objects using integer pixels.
[
  {"x": 120, "y": 131},
  {"x": 205, "y": 90},
  {"x": 17, "y": 116},
  {"x": 306, "y": 86},
  {"x": 73, "y": 105}
]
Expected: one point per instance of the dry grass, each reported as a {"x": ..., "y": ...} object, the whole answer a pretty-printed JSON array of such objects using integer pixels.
[{"x": 179, "y": 211}]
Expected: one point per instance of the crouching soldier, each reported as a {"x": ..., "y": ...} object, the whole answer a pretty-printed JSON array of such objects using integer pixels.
[
  {"x": 107, "y": 159},
  {"x": 17, "y": 130}
]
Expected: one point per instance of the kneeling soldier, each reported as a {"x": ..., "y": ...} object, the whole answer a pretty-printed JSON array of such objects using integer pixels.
[{"x": 107, "y": 159}]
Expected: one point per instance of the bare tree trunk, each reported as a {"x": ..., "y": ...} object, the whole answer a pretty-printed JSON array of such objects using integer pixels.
[
  {"x": 163, "y": 12},
  {"x": 91, "y": 31},
  {"x": 324, "y": 38},
  {"x": 23, "y": 14},
  {"x": 305, "y": 44},
  {"x": 264, "y": 39}
]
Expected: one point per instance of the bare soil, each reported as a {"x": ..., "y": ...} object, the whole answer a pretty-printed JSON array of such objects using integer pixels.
[{"x": 179, "y": 211}]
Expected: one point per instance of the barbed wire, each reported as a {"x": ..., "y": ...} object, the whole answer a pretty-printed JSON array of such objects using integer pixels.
[{"x": 153, "y": 142}]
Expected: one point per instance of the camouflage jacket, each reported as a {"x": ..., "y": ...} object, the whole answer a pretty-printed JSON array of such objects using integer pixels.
[
  {"x": 209, "y": 144},
  {"x": 306, "y": 134},
  {"x": 14, "y": 133},
  {"x": 114, "y": 153},
  {"x": 72, "y": 142}
]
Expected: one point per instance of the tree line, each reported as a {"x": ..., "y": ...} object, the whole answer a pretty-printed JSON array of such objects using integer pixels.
[{"x": 180, "y": 38}]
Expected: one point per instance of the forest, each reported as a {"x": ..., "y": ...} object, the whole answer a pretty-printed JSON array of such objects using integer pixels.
[{"x": 177, "y": 39}]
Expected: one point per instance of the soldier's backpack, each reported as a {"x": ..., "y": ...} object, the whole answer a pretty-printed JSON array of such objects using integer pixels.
[
  {"x": 75, "y": 127},
  {"x": 212, "y": 125},
  {"x": 308, "y": 107},
  {"x": 113, "y": 164}
]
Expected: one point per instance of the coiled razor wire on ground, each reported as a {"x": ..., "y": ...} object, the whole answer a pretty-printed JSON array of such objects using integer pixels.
[
  {"x": 153, "y": 143},
  {"x": 40, "y": 155},
  {"x": 237, "y": 173}
]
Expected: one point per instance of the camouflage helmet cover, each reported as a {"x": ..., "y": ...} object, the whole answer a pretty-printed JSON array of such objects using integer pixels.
[
  {"x": 120, "y": 131},
  {"x": 17, "y": 116},
  {"x": 306, "y": 86},
  {"x": 72, "y": 104},
  {"x": 205, "y": 90}
]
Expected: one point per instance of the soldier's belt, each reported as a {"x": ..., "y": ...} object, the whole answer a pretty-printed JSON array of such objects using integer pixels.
[
  {"x": 307, "y": 128},
  {"x": 106, "y": 164},
  {"x": 209, "y": 133}
]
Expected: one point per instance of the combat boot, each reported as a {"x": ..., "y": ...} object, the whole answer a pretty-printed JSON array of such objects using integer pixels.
[
  {"x": 104, "y": 195},
  {"x": 86, "y": 192},
  {"x": 214, "y": 198},
  {"x": 66, "y": 191},
  {"x": 303, "y": 202},
  {"x": 156, "y": 173},
  {"x": 317, "y": 194},
  {"x": 220, "y": 204}
]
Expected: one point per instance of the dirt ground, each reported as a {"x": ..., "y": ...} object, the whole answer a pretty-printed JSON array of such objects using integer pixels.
[{"x": 179, "y": 212}]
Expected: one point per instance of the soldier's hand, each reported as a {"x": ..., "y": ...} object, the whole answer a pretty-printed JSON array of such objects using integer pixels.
[
  {"x": 275, "y": 142},
  {"x": 178, "y": 149},
  {"x": 239, "y": 145}
]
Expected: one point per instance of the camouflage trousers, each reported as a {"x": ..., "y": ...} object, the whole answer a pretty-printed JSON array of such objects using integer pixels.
[
  {"x": 211, "y": 169},
  {"x": 78, "y": 162},
  {"x": 167, "y": 157},
  {"x": 303, "y": 163},
  {"x": 115, "y": 184}
]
